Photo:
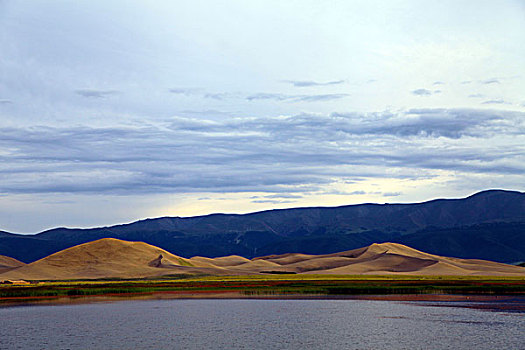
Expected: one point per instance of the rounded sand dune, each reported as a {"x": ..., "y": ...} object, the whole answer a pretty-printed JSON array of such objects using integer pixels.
[
  {"x": 106, "y": 258},
  {"x": 224, "y": 261},
  {"x": 7, "y": 263},
  {"x": 113, "y": 258}
]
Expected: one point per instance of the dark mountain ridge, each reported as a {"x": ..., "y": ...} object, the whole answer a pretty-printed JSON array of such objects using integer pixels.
[{"x": 487, "y": 225}]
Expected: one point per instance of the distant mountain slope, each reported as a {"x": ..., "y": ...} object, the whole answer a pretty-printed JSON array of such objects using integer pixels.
[
  {"x": 113, "y": 258},
  {"x": 487, "y": 225}
]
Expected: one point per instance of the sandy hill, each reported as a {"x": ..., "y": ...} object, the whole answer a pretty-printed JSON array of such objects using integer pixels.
[
  {"x": 231, "y": 260},
  {"x": 390, "y": 258},
  {"x": 7, "y": 263},
  {"x": 107, "y": 258}
]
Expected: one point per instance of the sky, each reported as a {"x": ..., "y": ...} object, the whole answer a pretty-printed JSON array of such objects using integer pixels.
[{"x": 114, "y": 111}]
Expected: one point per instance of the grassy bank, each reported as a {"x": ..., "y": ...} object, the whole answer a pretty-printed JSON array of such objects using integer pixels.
[{"x": 271, "y": 285}]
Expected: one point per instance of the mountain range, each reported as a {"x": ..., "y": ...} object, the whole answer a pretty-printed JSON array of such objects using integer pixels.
[
  {"x": 487, "y": 225},
  {"x": 110, "y": 258}
]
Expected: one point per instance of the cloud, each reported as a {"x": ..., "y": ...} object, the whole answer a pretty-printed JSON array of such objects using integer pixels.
[
  {"x": 466, "y": 82},
  {"x": 362, "y": 193},
  {"x": 271, "y": 201},
  {"x": 283, "y": 156},
  {"x": 315, "y": 98},
  {"x": 219, "y": 95},
  {"x": 258, "y": 96},
  {"x": 92, "y": 93},
  {"x": 451, "y": 123},
  {"x": 283, "y": 195},
  {"x": 185, "y": 91},
  {"x": 308, "y": 83},
  {"x": 202, "y": 93},
  {"x": 438, "y": 83},
  {"x": 205, "y": 113},
  {"x": 268, "y": 96},
  {"x": 5, "y": 102},
  {"x": 490, "y": 81},
  {"x": 354, "y": 193},
  {"x": 295, "y": 98},
  {"x": 496, "y": 102},
  {"x": 476, "y": 96},
  {"x": 422, "y": 92},
  {"x": 391, "y": 194}
]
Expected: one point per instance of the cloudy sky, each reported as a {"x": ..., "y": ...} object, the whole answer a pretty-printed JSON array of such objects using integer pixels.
[{"x": 113, "y": 111}]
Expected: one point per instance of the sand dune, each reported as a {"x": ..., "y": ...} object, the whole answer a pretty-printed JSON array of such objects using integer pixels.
[
  {"x": 231, "y": 260},
  {"x": 392, "y": 258},
  {"x": 113, "y": 258},
  {"x": 286, "y": 259},
  {"x": 254, "y": 266},
  {"x": 388, "y": 258},
  {"x": 7, "y": 264},
  {"x": 108, "y": 258}
]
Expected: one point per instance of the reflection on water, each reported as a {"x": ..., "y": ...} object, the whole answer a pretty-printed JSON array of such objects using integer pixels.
[{"x": 260, "y": 324}]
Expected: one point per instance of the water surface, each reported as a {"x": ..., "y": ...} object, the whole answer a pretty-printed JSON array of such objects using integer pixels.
[{"x": 260, "y": 324}]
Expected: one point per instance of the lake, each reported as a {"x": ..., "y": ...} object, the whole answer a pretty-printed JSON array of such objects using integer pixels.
[{"x": 261, "y": 324}]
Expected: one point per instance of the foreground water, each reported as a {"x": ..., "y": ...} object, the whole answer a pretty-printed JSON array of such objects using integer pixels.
[{"x": 261, "y": 324}]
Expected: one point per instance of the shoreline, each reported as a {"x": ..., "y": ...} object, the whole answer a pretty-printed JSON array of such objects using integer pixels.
[
  {"x": 407, "y": 289},
  {"x": 514, "y": 303}
]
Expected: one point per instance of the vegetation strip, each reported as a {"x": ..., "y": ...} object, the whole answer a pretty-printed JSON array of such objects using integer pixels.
[{"x": 271, "y": 285}]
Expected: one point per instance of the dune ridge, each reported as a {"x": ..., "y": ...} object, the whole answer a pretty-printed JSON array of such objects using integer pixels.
[
  {"x": 113, "y": 258},
  {"x": 7, "y": 263}
]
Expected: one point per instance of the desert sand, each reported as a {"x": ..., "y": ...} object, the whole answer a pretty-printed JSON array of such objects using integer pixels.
[
  {"x": 113, "y": 258},
  {"x": 7, "y": 264},
  {"x": 108, "y": 258}
]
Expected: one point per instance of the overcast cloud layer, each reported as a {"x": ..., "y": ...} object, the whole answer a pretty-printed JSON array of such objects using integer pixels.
[
  {"x": 114, "y": 112},
  {"x": 264, "y": 154}
]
